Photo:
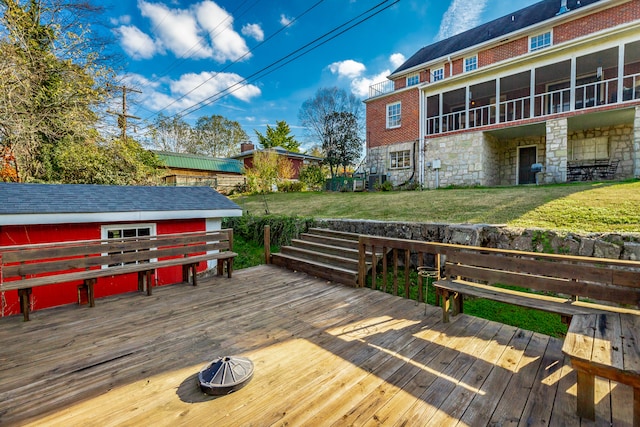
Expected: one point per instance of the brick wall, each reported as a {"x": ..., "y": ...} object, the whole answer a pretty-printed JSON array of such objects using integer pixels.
[
  {"x": 377, "y": 133},
  {"x": 593, "y": 23},
  {"x": 503, "y": 52}
]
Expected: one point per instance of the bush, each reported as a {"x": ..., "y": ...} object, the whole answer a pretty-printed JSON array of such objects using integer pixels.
[
  {"x": 385, "y": 186},
  {"x": 313, "y": 177},
  {"x": 283, "y": 228},
  {"x": 290, "y": 186}
]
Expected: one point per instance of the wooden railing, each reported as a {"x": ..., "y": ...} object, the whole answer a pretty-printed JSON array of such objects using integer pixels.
[{"x": 407, "y": 251}]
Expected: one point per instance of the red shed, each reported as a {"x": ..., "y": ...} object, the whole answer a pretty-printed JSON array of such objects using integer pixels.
[{"x": 45, "y": 213}]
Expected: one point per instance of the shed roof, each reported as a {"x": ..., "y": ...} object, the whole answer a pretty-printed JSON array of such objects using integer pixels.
[
  {"x": 74, "y": 203},
  {"x": 192, "y": 161},
  {"x": 523, "y": 18}
]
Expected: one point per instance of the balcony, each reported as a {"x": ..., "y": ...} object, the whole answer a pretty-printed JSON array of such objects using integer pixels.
[{"x": 381, "y": 88}]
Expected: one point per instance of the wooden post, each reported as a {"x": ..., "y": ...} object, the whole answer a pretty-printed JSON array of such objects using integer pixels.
[
  {"x": 362, "y": 262},
  {"x": 267, "y": 244}
]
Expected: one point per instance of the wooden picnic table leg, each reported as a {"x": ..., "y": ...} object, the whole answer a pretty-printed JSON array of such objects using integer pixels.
[
  {"x": 586, "y": 395},
  {"x": 445, "y": 304}
]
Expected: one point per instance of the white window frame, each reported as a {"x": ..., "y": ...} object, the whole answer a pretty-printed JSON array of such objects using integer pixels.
[
  {"x": 540, "y": 37},
  {"x": 437, "y": 74},
  {"x": 400, "y": 159},
  {"x": 470, "y": 63},
  {"x": 105, "y": 229},
  {"x": 394, "y": 120},
  {"x": 413, "y": 79}
]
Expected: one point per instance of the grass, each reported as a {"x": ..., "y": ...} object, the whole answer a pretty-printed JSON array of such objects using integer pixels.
[{"x": 578, "y": 207}]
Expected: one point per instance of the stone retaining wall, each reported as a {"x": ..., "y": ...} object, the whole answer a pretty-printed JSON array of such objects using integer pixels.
[{"x": 601, "y": 245}]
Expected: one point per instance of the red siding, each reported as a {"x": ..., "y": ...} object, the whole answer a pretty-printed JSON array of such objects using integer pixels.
[{"x": 66, "y": 293}]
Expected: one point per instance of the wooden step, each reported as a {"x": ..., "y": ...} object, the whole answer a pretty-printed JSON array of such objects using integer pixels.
[
  {"x": 321, "y": 257},
  {"x": 335, "y": 234},
  {"x": 325, "y": 248},
  {"x": 331, "y": 241},
  {"x": 317, "y": 269}
]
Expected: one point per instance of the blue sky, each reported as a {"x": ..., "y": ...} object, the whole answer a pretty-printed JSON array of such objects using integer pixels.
[{"x": 179, "y": 53}]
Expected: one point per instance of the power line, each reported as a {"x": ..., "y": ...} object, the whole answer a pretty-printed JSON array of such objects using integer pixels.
[{"x": 296, "y": 54}]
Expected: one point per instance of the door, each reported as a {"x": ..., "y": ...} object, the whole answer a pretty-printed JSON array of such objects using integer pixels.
[{"x": 527, "y": 156}]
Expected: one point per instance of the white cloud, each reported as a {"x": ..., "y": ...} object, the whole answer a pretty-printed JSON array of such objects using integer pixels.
[
  {"x": 138, "y": 80},
  {"x": 462, "y": 15},
  {"x": 284, "y": 21},
  {"x": 203, "y": 30},
  {"x": 349, "y": 68},
  {"x": 135, "y": 43},
  {"x": 206, "y": 84},
  {"x": 254, "y": 31},
  {"x": 227, "y": 44},
  {"x": 397, "y": 59},
  {"x": 360, "y": 86}
]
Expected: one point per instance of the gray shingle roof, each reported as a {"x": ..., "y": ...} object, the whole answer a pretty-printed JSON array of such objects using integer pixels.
[
  {"x": 534, "y": 14},
  {"x": 67, "y": 198}
]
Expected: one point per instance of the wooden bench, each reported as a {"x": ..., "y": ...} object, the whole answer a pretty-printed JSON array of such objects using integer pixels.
[
  {"x": 570, "y": 284},
  {"x": 604, "y": 345},
  {"x": 25, "y": 267}
]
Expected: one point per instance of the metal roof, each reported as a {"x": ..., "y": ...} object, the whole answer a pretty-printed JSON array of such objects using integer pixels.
[
  {"x": 191, "y": 161},
  {"x": 523, "y": 18},
  {"x": 42, "y": 199}
]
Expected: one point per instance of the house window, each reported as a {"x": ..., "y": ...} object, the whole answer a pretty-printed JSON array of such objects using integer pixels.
[
  {"x": 413, "y": 80},
  {"x": 123, "y": 231},
  {"x": 470, "y": 63},
  {"x": 589, "y": 149},
  {"x": 393, "y": 115},
  {"x": 400, "y": 159},
  {"x": 437, "y": 74},
  {"x": 540, "y": 41}
]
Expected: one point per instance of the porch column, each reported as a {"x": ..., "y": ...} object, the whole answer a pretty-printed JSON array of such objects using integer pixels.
[
  {"x": 498, "y": 100},
  {"x": 636, "y": 144},
  {"x": 572, "y": 92},
  {"x": 440, "y": 128},
  {"x": 620, "y": 72},
  {"x": 421, "y": 134},
  {"x": 466, "y": 108},
  {"x": 532, "y": 94},
  {"x": 556, "y": 151}
]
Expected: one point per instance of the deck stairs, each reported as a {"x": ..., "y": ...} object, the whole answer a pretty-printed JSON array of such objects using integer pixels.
[{"x": 324, "y": 253}]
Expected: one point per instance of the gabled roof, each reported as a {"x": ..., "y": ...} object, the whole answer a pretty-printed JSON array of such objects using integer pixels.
[
  {"x": 75, "y": 203},
  {"x": 203, "y": 163},
  {"x": 279, "y": 150},
  {"x": 529, "y": 16}
]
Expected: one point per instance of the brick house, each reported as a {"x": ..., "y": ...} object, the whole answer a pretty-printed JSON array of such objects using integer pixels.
[
  {"x": 298, "y": 160},
  {"x": 554, "y": 86},
  {"x": 47, "y": 213}
]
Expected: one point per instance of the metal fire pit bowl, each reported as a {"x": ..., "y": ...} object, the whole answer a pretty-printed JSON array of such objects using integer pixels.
[{"x": 225, "y": 375}]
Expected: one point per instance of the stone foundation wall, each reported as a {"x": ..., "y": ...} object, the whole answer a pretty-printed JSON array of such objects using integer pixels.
[{"x": 613, "y": 246}]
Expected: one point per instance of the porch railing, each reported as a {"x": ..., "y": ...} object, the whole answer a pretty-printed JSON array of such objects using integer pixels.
[
  {"x": 381, "y": 88},
  {"x": 590, "y": 95}
]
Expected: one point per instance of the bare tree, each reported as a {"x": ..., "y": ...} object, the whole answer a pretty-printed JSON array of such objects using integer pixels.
[{"x": 217, "y": 136}]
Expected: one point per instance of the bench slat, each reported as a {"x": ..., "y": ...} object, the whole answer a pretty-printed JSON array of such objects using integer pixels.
[
  {"x": 102, "y": 258},
  {"x": 596, "y": 291},
  {"x": 111, "y": 271}
]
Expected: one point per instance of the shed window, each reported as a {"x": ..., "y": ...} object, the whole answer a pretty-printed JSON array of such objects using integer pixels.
[{"x": 128, "y": 231}]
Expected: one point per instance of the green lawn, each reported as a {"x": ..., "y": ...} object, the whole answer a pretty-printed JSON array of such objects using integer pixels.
[{"x": 577, "y": 207}]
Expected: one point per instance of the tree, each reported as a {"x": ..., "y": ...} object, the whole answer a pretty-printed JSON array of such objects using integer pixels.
[
  {"x": 329, "y": 112},
  {"x": 313, "y": 176},
  {"x": 217, "y": 136},
  {"x": 278, "y": 137},
  {"x": 49, "y": 81},
  {"x": 342, "y": 145},
  {"x": 171, "y": 134},
  {"x": 269, "y": 168}
]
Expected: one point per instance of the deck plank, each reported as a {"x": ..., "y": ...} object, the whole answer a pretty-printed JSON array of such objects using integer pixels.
[{"x": 324, "y": 354}]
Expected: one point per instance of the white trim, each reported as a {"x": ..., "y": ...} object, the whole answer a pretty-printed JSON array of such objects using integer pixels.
[
  {"x": 213, "y": 224},
  {"x": 104, "y": 233},
  {"x": 105, "y": 217},
  {"x": 389, "y": 105},
  {"x": 531, "y": 37},
  {"x": 469, "y": 58}
]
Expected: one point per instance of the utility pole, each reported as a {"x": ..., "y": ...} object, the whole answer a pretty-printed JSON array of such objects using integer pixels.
[{"x": 123, "y": 117}]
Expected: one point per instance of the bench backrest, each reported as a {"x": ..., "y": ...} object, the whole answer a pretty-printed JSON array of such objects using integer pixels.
[
  {"x": 30, "y": 260},
  {"x": 595, "y": 278}
]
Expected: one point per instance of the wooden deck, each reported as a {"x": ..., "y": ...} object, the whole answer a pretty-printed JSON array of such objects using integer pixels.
[{"x": 324, "y": 354}]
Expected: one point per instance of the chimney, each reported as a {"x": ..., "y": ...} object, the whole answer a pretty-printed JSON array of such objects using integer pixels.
[
  {"x": 246, "y": 146},
  {"x": 563, "y": 8}
]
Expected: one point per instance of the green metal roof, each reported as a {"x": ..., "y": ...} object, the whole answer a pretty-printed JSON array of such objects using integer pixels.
[{"x": 191, "y": 161}]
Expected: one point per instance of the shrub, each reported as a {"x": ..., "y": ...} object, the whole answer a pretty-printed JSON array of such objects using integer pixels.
[
  {"x": 283, "y": 228},
  {"x": 290, "y": 186}
]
